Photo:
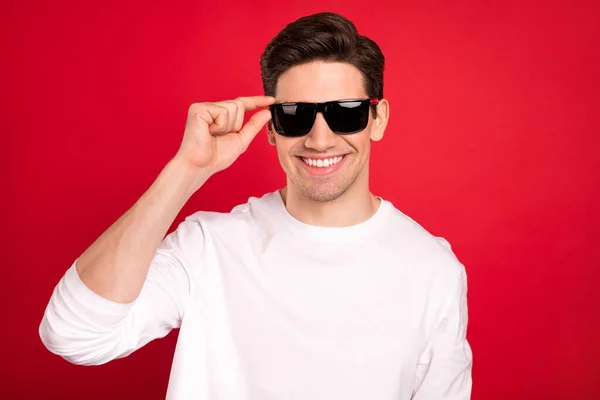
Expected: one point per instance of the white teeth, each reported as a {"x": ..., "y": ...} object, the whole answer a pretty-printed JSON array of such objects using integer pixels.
[{"x": 321, "y": 163}]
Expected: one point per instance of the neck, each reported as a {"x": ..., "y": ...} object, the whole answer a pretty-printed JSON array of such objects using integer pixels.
[{"x": 353, "y": 207}]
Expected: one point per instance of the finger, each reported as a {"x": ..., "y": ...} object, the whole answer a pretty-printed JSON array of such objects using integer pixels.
[
  {"x": 199, "y": 118},
  {"x": 232, "y": 109},
  {"x": 239, "y": 121},
  {"x": 219, "y": 118},
  {"x": 252, "y": 127},
  {"x": 208, "y": 113},
  {"x": 254, "y": 102}
]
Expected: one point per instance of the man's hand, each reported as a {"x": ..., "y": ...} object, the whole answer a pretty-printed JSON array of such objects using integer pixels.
[{"x": 214, "y": 136}]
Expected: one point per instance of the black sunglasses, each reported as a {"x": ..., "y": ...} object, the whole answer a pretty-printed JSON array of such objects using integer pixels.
[{"x": 343, "y": 116}]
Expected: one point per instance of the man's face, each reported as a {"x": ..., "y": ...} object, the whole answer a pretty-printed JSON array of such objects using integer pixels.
[{"x": 319, "y": 82}]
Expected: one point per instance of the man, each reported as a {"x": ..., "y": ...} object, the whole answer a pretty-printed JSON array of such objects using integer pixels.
[{"x": 320, "y": 290}]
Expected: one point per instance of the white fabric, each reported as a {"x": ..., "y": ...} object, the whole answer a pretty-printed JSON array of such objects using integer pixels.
[{"x": 270, "y": 308}]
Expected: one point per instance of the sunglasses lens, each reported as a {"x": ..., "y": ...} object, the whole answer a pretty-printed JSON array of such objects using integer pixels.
[
  {"x": 293, "y": 119},
  {"x": 346, "y": 117}
]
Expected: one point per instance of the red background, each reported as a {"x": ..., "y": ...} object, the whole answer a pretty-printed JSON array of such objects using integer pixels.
[{"x": 492, "y": 144}]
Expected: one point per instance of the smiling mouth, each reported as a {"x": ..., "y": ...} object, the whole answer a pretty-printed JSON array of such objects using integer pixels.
[{"x": 322, "y": 162}]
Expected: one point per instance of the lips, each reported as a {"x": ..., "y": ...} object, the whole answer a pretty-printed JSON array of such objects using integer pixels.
[
  {"x": 321, "y": 166},
  {"x": 322, "y": 162}
]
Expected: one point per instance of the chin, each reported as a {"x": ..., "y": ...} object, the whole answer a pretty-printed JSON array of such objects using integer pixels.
[
  {"x": 324, "y": 197},
  {"x": 321, "y": 193}
]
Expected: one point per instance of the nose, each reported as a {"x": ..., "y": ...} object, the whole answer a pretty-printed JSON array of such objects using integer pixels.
[{"x": 320, "y": 137}]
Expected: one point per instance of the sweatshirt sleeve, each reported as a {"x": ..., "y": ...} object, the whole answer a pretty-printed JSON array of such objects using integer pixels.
[
  {"x": 85, "y": 328},
  {"x": 444, "y": 368}
]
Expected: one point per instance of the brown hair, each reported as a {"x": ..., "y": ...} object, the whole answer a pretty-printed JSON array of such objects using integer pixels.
[{"x": 328, "y": 37}]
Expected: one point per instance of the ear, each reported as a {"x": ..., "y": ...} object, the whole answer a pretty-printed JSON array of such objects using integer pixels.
[
  {"x": 379, "y": 123},
  {"x": 271, "y": 134}
]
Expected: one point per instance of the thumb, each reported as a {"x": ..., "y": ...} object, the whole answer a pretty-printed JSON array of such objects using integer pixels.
[{"x": 253, "y": 126}]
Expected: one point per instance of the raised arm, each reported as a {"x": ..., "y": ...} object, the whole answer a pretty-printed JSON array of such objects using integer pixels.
[{"x": 130, "y": 285}]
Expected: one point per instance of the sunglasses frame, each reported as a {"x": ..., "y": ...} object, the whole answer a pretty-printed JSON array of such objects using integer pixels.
[{"x": 321, "y": 108}]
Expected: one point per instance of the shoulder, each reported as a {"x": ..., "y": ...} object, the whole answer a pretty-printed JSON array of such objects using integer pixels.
[
  {"x": 431, "y": 252},
  {"x": 239, "y": 215}
]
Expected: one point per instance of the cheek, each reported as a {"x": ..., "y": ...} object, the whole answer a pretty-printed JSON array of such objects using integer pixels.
[
  {"x": 282, "y": 157},
  {"x": 284, "y": 151},
  {"x": 361, "y": 143},
  {"x": 289, "y": 146}
]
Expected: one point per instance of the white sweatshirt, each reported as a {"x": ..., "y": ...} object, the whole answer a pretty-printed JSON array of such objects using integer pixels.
[{"x": 270, "y": 308}]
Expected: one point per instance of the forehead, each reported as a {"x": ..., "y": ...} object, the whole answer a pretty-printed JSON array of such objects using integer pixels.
[{"x": 320, "y": 81}]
